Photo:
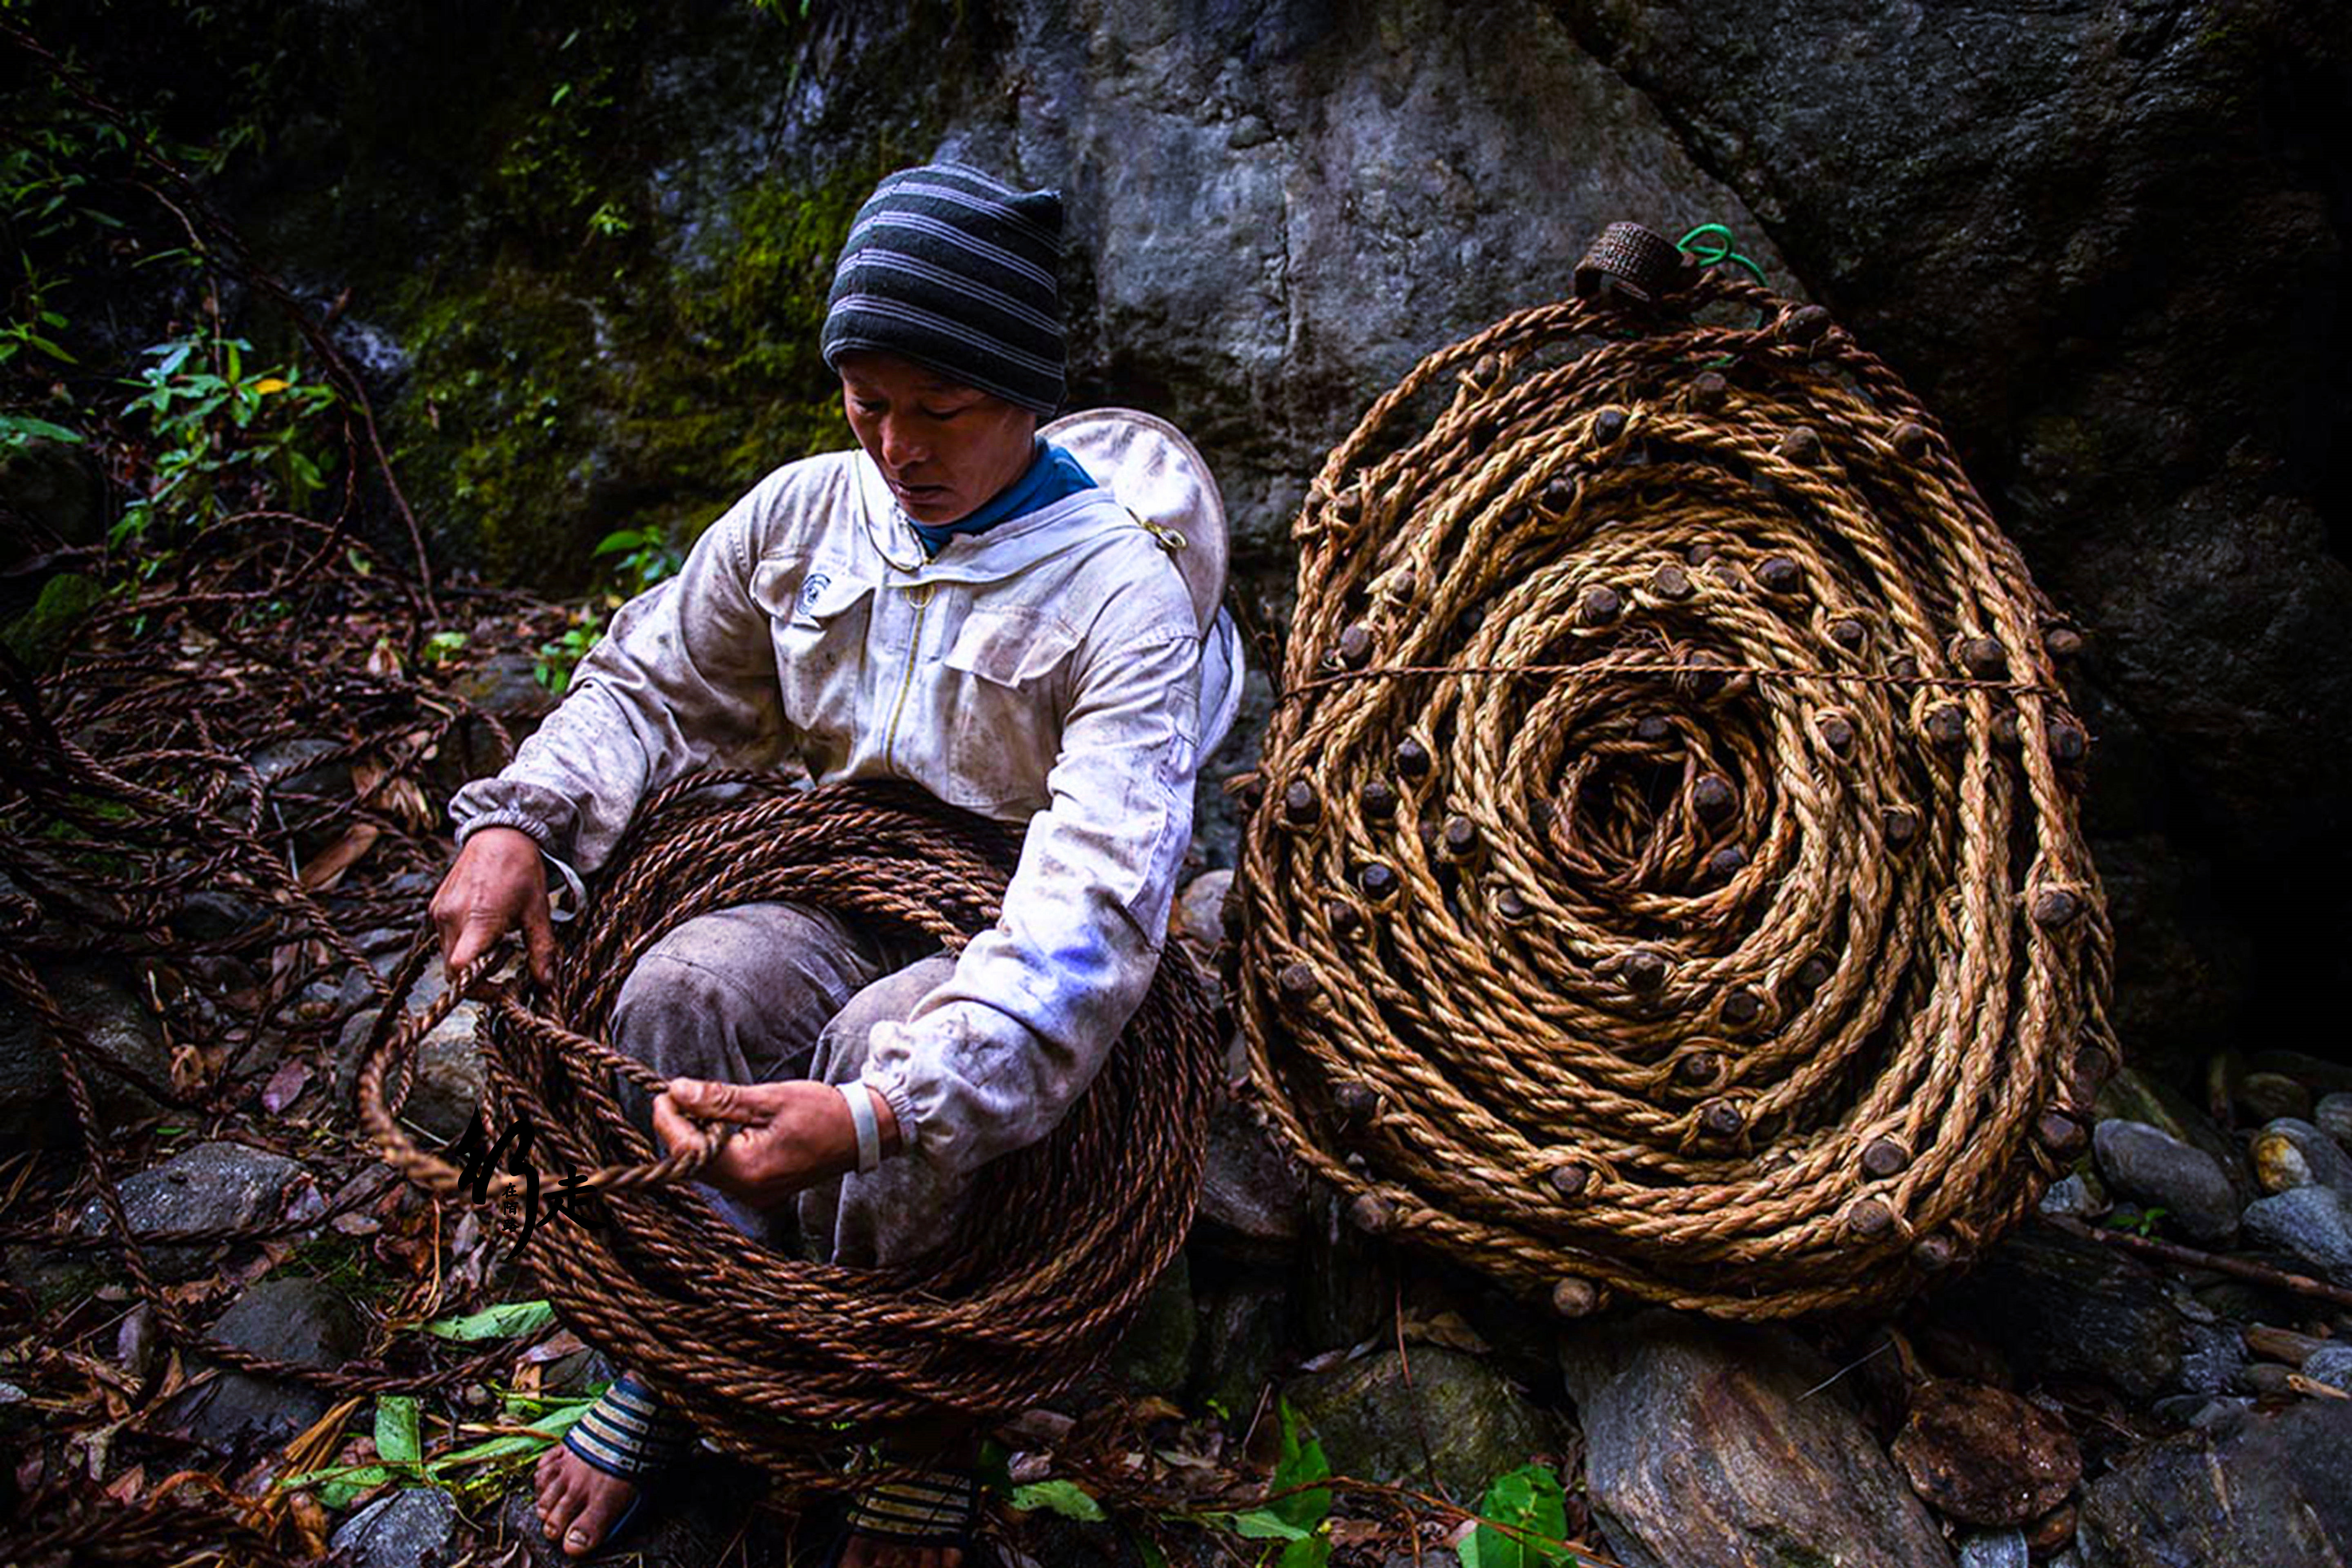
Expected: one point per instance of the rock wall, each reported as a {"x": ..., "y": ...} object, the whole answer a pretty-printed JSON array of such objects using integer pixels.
[{"x": 587, "y": 255}]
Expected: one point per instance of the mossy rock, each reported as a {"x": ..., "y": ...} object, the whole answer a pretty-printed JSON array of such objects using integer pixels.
[{"x": 41, "y": 633}]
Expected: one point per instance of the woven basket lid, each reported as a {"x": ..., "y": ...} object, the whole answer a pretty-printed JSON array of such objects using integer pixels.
[{"x": 1153, "y": 471}]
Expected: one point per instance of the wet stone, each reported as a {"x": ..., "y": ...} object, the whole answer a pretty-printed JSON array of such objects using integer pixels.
[
  {"x": 2074, "y": 1197},
  {"x": 2276, "y": 1491},
  {"x": 1199, "y": 912},
  {"x": 34, "y": 1108},
  {"x": 1717, "y": 1445},
  {"x": 1983, "y": 1455},
  {"x": 2066, "y": 1306},
  {"x": 2330, "y": 1364},
  {"x": 209, "y": 1186},
  {"x": 305, "y": 1322},
  {"x": 1243, "y": 1333},
  {"x": 1156, "y": 1356},
  {"x": 2131, "y": 1094},
  {"x": 2314, "y": 1224},
  {"x": 1250, "y": 1193},
  {"x": 1451, "y": 1413},
  {"x": 2293, "y": 1153},
  {"x": 2189, "y": 1184},
  {"x": 2268, "y": 1096},
  {"x": 412, "y": 1529},
  {"x": 1995, "y": 1549}
]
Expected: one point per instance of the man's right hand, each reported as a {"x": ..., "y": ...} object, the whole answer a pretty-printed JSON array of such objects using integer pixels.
[{"x": 496, "y": 884}]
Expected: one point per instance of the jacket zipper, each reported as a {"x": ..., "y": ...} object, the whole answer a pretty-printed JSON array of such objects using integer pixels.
[{"x": 921, "y": 596}]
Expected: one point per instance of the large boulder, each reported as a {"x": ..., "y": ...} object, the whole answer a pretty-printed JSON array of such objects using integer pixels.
[
  {"x": 1715, "y": 1446},
  {"x": 1430, "y": 1414},
  {"x": 2277, "y": 1492},
  {"x": 2061, "y": 1306},
  {"x": 2098, "y": 240}
]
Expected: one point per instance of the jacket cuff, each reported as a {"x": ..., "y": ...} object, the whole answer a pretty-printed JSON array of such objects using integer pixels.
[
  {"x": 549, "y": 820},
  {"x": 505, "y": 816},
  {"x": 890, "y": 1083}
]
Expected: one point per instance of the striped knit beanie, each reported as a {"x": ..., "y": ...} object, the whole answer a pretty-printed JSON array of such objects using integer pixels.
[{"x": 955, "y": 270}]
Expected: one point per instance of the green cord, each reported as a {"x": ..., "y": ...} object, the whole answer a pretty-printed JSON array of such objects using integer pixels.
[{"x": 1719, "y": 250}]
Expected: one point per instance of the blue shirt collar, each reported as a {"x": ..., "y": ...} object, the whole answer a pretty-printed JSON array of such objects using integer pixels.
[{"x": 1053, "y": 475}]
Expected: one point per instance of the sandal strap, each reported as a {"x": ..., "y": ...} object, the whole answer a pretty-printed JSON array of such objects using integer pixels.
[
  {"x": 627, "y": 1434},
  {"x": 934, "y": 1509}
]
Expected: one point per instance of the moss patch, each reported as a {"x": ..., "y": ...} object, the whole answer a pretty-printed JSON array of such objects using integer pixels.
[
  {"x": 553, "y": 404},
  {"x": 41, "y": 632}
]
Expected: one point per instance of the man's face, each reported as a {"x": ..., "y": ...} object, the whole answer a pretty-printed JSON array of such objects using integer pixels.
[{"x": 944, "y": 447}]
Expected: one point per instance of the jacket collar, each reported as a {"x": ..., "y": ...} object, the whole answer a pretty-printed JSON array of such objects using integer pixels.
[{"x": 1013, "y": 545}]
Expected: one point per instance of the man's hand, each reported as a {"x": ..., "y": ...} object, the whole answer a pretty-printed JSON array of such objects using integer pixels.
[
  {"x": 496, "y": 884},
  {"x": 794, "y": 1134}
]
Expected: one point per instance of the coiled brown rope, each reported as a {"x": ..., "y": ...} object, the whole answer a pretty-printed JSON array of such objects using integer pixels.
[
  {"x": 1668, "y": 878},
  {"x": 776, "y": 1358}
]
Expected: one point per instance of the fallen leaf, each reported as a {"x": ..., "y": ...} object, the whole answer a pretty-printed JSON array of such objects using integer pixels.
[
  {"x": 327, "y": 867},
  {"x": 286, "y": 1085},
  {"x": 1446, "y": 1329},
  {"x": 563, "y": 1343},
  {"x": 126, "y": 1487}
]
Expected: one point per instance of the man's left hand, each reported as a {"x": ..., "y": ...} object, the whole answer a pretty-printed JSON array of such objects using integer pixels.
[{"x": 794, "y": 1134}]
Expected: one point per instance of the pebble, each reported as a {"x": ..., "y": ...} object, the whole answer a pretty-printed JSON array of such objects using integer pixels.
[
  {"x": 2267, "y": 1095},
  {"x": 411, "y": 1528},
  {"x": 2074, "y": 1197},
  {"x": 2312, "y": 1223},
  {"x": 2293, "y": 1153},
  {"x": 1994, "y": 1549},
  {"x": 1200, "y": 917},
  {"x": 2333, "y": 1115},
  {"x": 2161, "y": 1171},
  {"x": 2330, "y": 1364},
  {"x": 2220, "y": 1417}
]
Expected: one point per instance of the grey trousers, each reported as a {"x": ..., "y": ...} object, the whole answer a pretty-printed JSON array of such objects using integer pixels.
[{"x": 761, "y": 992}]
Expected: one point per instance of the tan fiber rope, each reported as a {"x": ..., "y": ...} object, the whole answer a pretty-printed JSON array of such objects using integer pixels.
[
  {"x": 782, "y": 1361},
  {"x": 1667, "y": 878}
]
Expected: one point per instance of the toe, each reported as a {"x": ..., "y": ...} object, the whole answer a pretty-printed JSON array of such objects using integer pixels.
[{"x": 595, "y": 1519}]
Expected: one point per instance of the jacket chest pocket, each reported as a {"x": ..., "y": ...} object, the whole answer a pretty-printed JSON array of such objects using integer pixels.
[
  {"x": 1012, "y": 681},
  {"x": 821, "y": 663}
]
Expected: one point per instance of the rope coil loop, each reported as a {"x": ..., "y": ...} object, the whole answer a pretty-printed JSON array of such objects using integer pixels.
[
  {"x": 1668, "y": 772},
  {"x": 777, "y": 1359}
]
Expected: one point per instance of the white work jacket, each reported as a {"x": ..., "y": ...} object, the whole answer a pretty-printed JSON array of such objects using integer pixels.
[{"x": 1045, "y": 672}]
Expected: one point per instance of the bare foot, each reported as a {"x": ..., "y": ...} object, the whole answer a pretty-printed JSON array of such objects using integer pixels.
[
  {"x": 578, "y": 1503},
  {"x": 864, "y": 1551}
]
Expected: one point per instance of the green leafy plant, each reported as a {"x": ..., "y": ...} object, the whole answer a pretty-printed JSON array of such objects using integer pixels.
[
  {"x": 442, "y": 647},
  {"x": 506, "y": 1321},
  {"x": 2141, "y": 1224},
  {"x": 1296, "y": 1512},
  {"x": 222, "y": 434},
  {"x": 18, "y": 430},
  {"x": 1523, "y": 1523},
  {"x": 479, "y": 1469},
  {"x": 1065, "y": 1497},
  {"x": 558, "y": 658},
  {"x": 645, "y": 557}
]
